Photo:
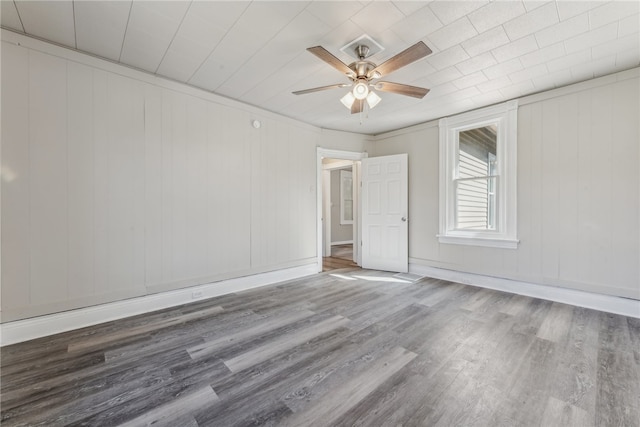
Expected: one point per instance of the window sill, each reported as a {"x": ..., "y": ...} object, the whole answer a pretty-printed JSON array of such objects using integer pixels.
[{"x": 488, "y": 242}]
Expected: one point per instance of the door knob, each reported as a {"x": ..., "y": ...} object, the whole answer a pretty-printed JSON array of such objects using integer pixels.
[{"x": 404, "y": 219}]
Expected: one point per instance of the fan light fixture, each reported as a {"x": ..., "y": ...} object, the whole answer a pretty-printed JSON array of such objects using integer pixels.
[
  {"x": 372, "y": 98},
  {"x": 362, "y": 72},
  {"x": 361, "y": 90},
  {"x": 348, "y": 100}
]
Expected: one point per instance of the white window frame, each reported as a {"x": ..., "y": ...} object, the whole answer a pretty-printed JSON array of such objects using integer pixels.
[
  {"x": 345, "y": 175},
  {"x": 505, "y": 117}
]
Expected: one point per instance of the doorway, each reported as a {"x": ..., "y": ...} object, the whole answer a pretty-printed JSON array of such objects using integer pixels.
[
  {"x": 338, "y": 209},
  {"x": 338, "y": 219}
]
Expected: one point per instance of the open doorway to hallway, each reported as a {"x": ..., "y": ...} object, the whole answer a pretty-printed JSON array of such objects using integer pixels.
[
  {"x": 338, "y": 204},
  {"x": 338, "y": 214}
]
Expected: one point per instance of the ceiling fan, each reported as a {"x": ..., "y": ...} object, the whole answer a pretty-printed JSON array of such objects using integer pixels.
[{"x": 362, "y": 74}]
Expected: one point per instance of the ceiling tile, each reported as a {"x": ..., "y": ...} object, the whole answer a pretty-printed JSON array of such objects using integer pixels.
[
  {"x": 51, "y": 20},
  {"x": 203, "y": 27},
  {"x": 290, "y": 43},
  {"x": 569, "y": 60},
  {"x": 411, "y": 6},
  {"x": 552, "y": 80},
  {"x": 582, "y": 73},
  {"x": 495, "y": 13},
  {"x": 503, "y": 69},
  {"x": 452, "y": 34},
  {"x": 534, "y": 4},
  {"x": 152, "y": 26},
  {"x": 529, "y": 73},
  {"x": 392, "y": 44},
  {"x": 447, "y": 58},
  {"x": 533, "y": 21},
  {"x": 9, "y": 16},
  {"x": 563, "y": 30},
  {"x": 627, "y": 59},
  {"x": 592, "y": 38},
  {"x": 517, "y": 90},
  {"x": 182, "y": 59},
  {"x": 254, "y": 51},
  {"x": 569, "y": 9},
  {"x": 495, "y": 84},
  {"x": 612, "y": 12},
  {"x": 486, "y": 41},
  {"x": 444, "y": 76},
  {"x": 225, "y": 60},
  {"x": 597, "y": 67},
  {"x": 259, "y": 23},
  {"x": 219, "y": 14},
  {"x": 463, "y": 94},
  {"x": 334, "y": 16},
  {"x": 100, "y": 26},
  {"x": 542, "y": 55},
  {"x": 632, "y": 41},
  {"x": 441, "y": 90},
  {"x": 450, "y": 11},
  {"x": 377, "y": 17},
  {"x": 341, "y": 36},
  {"x": 306, "y": 76},
  {"x": 414, "y": 27},
  {"x": 488, "y": 98},
  {"x": 629, "y": 25},
  {"x": 514, "y": 49},
  {"x": 476, "y": 63},
  {"x": 470, "y": 80}
]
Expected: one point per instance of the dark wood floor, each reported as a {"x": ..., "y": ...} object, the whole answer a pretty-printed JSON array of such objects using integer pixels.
[
  {"x": 343, "y": 348},
  {"x": 341, "y": 257}
]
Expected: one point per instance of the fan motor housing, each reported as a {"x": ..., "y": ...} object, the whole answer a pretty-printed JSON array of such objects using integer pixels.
[{"x": 362, "y": 68}]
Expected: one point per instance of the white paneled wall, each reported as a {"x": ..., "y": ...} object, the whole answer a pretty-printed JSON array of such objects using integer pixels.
[
  {"x": 578, "y": 191},
  {"x": 115, "y": 185}
]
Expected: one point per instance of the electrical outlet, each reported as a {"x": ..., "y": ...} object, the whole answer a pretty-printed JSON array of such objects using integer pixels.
[{"x": 196, "y": 294}]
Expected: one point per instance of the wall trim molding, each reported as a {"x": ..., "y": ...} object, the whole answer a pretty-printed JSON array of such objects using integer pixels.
[
  {"x": 343, "y": 242},
  {"x": 41, "y": 326},
  {"x": 607, "y": 303}
]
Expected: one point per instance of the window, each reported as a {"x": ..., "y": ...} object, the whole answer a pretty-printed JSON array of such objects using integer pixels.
[
  {"x": 478, "y": 177},
  {"x": 346, "y": 197}
]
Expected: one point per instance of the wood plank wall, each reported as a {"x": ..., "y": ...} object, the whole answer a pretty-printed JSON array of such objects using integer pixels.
[
  {"x": 578, "y": 191},
  {"x": 117, "y": 185}
]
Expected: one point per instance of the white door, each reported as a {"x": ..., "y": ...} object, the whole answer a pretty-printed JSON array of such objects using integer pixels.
[{"x": 385, "y": 203}]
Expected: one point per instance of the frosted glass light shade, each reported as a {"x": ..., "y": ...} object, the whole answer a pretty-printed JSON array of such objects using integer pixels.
[
  {"x": 373, "y": 99},
  {"x": 348, "y": 100},
  {"x": 360, "y": 90}
]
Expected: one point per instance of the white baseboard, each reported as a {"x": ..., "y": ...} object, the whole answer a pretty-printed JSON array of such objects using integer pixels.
[
  {"x": 610, "y": 304},
  {"x": 344, "y": 242},
  {"x": 36, "y": 327}
]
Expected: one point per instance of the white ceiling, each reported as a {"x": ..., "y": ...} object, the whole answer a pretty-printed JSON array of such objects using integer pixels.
[{"x": 483, "y": 52}]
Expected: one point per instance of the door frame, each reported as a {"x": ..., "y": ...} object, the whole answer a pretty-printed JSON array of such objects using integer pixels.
[{"x": 354, "y": 156}]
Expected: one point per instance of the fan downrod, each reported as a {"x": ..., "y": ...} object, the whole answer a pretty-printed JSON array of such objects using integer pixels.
[{"x": 362, "y": 51}]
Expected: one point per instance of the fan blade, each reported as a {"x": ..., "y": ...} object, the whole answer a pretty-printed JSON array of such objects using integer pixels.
[
  {"x": 318, "y": 89},
  {"x": 328, "y": 57},
  {"x": 406, "y": 57},
  {"x": 414, "y": 91},
  {"x": 357, "y": 106}
]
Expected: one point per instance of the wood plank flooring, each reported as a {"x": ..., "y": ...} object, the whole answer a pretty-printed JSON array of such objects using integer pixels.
[
  {"x": 341, "y": 257},
  {"x": 348, "y": 347}
]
